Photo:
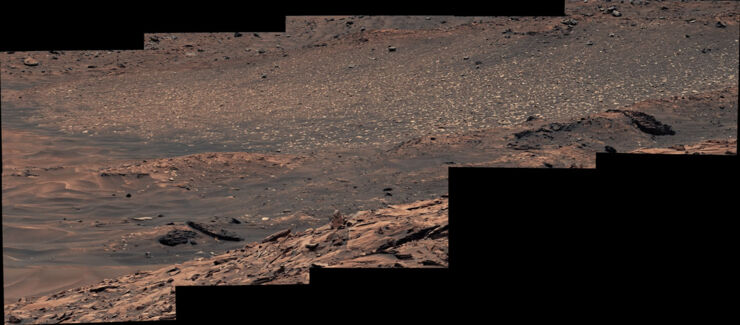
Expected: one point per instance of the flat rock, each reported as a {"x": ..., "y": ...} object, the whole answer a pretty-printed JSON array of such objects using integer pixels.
[
  {"x": 276, "y": 235},
  {"x": 31, "y": 62}
]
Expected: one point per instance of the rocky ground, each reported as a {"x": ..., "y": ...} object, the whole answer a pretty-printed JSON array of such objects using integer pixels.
[
  {"x": 409, "y": 235},
  {"x": 399, "y": 236},
  {"x": 122, "y": 161}
]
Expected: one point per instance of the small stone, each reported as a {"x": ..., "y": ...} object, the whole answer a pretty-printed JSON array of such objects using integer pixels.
[
  {"x": 589, "y": 43},
  {"x": 31, "y": 62},
  {"x": 611, "y": 35},
  {"x": 610, "y": 149},
  {"x": 14, "y": 320},
  {"x": 237, "y": 34},
  {"x": 570, "y": 22},
  {"x": 720, "y": 24},
  {"x": 391, "y": 49},
  {"x": 616, "y": 13},
  {"x": 128, "y": 194},
  {"x": 466, "y": 58}
]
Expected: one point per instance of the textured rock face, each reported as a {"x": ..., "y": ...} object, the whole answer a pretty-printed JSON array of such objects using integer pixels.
[
  {"x": 408, "y": 235},
  {"x": 708, "y": 147}
]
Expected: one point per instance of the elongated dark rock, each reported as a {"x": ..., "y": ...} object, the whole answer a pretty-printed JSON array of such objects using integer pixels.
[{"x": 218, "y": 233}]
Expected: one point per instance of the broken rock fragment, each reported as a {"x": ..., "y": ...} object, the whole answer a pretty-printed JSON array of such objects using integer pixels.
[{"x": 177, "y": 237}]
